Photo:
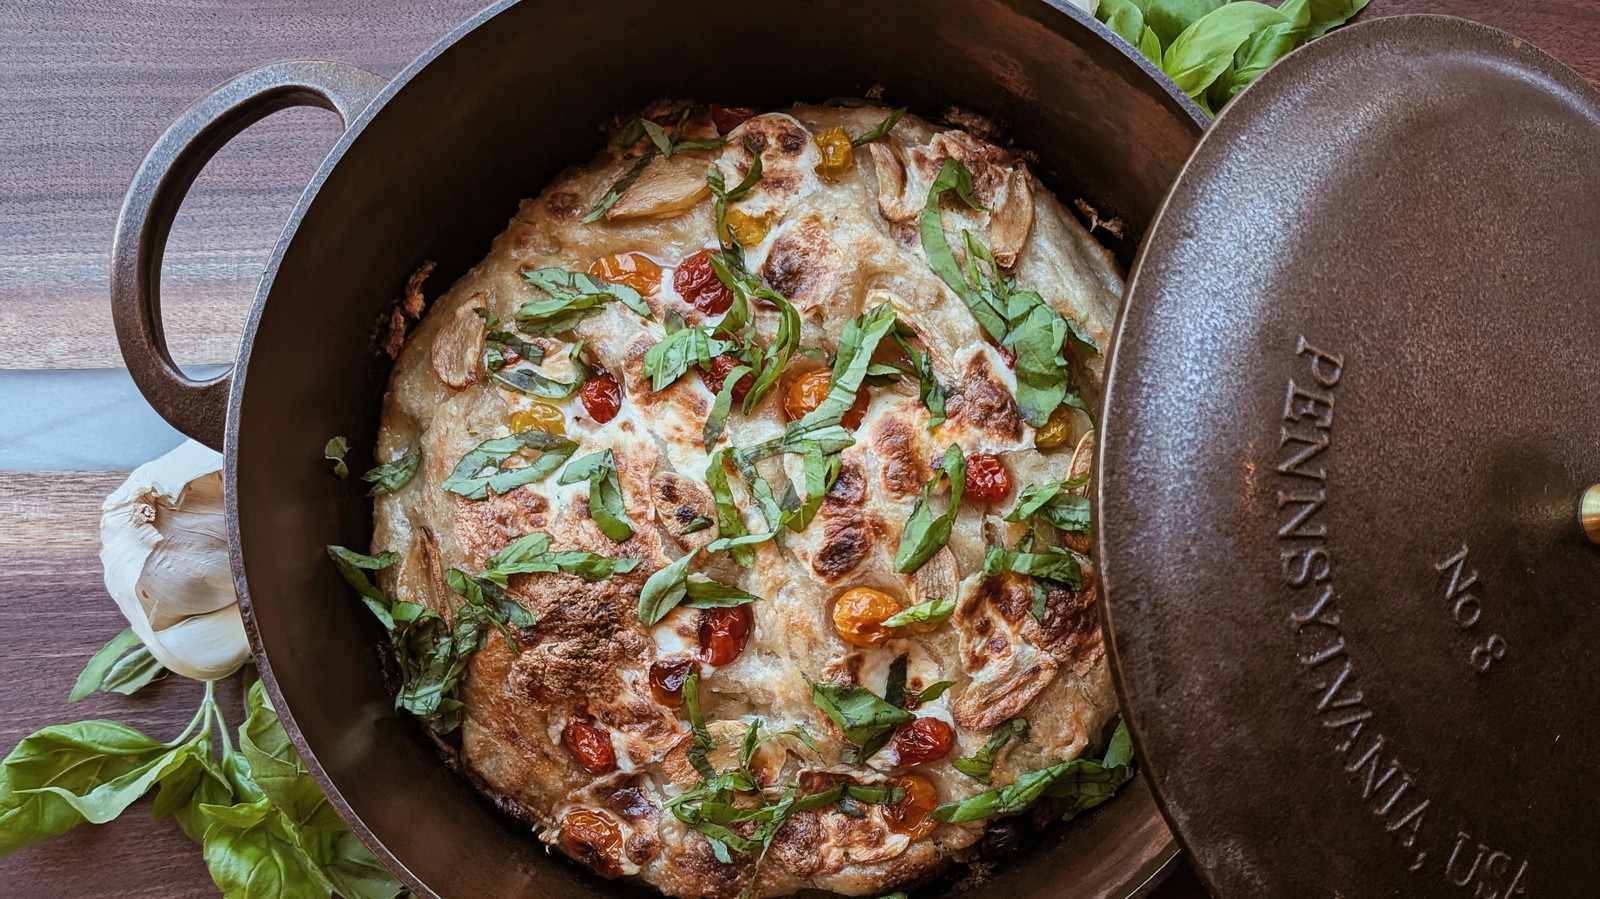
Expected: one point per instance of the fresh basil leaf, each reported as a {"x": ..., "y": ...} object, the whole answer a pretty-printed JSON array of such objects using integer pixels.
[
  {"x": 484, "y": 469},
  {"x": 674, "y": 354},
  {"x": 1169, "y": 18},
  {"x": 857, "y": 343},
  {"x": 1052, "y": 565},
  {"x": 821, "y": 471},
  {"x": 530, "y": 554},
  {"x": 717, "y": 418},
  {"x": 730, "y": 520},
  {"x": 528, "y": 381},
  {"x": 488, "y": 601},
  {"x": 664, "y": 591},
  {"x": 658, "y": 136},
  {"x": 606, "y": 505},
  {"x": 776, "y": 357},
  {"x": 1124, "y": 18},
  {"x": 697, "y": 524},
  {"x": 1206, "y": 48},
  {"x": 1072, "y": 786},
  {"x": 702, "y": 744},
  {"x": 349, "y": 868},
  {"x": 954, "y": 176},
  {"x": 76, "y": 759},
  {"x": 932, "y": 692},
  {"x": 1041, "y": 370},
  {"x": 391, "y": 476},
  {"x": 927, "y": 533},
  {"x": 334, "y": 452},
  {"x": 617, "y": 189},
  {"x": 929, "y": 390},
  {"x": 981, "y": 763},
  {"x": 894, "y": 687},
  {"x": 276, "y": 767},
  {"x": 252, "y": 854},
  {"x": 866, "y": 721},
  {"x": 100, "y": 663},
  {"x": 875, "y": 794},
  {"x": 931, "y": 612},
  {"x": 709, "y": 594},
  {"x": 575, "y": 290},
  {"x": 752, "y": 176},
  {"x": 133, "y": 672},
  {"x": 881, "y": 129}
]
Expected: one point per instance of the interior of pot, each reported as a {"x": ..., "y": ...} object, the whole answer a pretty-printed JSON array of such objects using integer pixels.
[{"x": 437, "y": 171}]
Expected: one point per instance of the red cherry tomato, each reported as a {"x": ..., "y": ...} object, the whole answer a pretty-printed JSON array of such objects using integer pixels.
[
  {"x": 922, "y": 741},
  {"x": 987, "y": 478},
  {"x": 728, "y": 118},
  {"x": 590, "y": 746},
  {"x": 602, "y": 397},
  {"x": 666, "y": 680},
  {"x": 594, "y": 838},
  {"x": 720, "y": 367},
  {"x": 723, "y": 633},
  {"x": 697, "y": 282},
  {"x": 913, "y": 814}
]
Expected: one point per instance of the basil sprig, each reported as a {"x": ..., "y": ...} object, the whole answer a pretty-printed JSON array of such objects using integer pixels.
[
  {"x": 881, "y": 129},
  {"x": 980, "y": 764},
  {"x": 484, "y": 468},
  {"x": 606, "y": 505},
  {"x": 927, "y": 533},
  {"x": 391, "y": 476},
  {"x": 866, "y": 721},
  {"x": 1072, "y": 786},
  {"x": 530, "y": 554},
  {"x": 1055, "y": 504}
]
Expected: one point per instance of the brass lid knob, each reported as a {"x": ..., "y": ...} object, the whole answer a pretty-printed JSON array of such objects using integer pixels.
[{"x": 1589, "y": 512}]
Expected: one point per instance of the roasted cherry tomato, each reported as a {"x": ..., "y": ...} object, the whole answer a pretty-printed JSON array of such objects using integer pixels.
[
  {"x": 601, "y": 396},
  {"x": 859, "y": 613},
  {"x": 837, "y": 153},
  {"x": 987, "y": 478},
  {"x": 728, "y": 118},
  {"x": 636, "y": 270},
  {"x": 723, "y": 633},
  {"x": 593, "y": 837},
  {"x": 1055, "y": 431},
  {"x": 720, "y": 367},
  {"x": 913, "y": 814},
  {"x": 810, "y": 389},
  {"x": 590, "y": 745},
  {"x": 666, "y": 680},
  {"x": 539, "y": 416},
  {"x": 922, "y": 741},
  {"x": 697, "y": 282}
]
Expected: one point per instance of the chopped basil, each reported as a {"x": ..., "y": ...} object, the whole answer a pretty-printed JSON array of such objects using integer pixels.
[
  {"x": 617, "y": 189},
  {"x": 334, "y": 452},
  {"x": 1055, "y": 504},
  {"x": 697, "y": 524},
  {"x": 353, "y": 566},
  {"x": 930, "y": 693},
  {"x": 717, "y": 418},
  {"x": 658, "y": 136},
  {"x": 1072, "y": 786},
  {"x": 931, "y": 612},
  {"x": 777, "y": 356},
  {"x": 866, "y": 720},
  {"x": 703, "y": 743},
  {"x": 664, "y": 590},
  {"x": 606, "y": 505},
  {"x": 709, "y": 594},
  {"x": 504, "y": 612},
  {"x": 730, "y": 521},
  {"x": 894, "y": 688},
  {"x": 1052, "y": 565},
  {"x": 821, "y": 471},
  {"x": 391, "y": 476},
  {"x": 496, "y": 342},
  {"x": 927, "y": 533},
  {"x": 979, "y": 765},
  {"x": 573, "y": 296},
  {"x": 882, "y": 128},
  {"x": 682, "y": 348},
  {"x": 526, "y": 380},
  {"x": 483, "y": 469},
  {"x": 668, "y": 144},
  {"x": 857, "y": 343},
  {"x": 530, "y": 554}
]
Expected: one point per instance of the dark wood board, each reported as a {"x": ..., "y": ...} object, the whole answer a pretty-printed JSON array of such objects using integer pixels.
[{"x": 88, "y": 85}]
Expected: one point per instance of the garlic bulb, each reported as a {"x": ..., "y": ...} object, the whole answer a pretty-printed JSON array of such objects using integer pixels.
[{"x": 164, "y": 547}]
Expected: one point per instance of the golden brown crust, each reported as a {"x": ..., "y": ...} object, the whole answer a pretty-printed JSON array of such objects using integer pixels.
[{"x": 837, "y": 246}]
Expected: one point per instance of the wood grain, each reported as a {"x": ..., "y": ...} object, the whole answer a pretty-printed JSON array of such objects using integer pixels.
[{"x": 89, "y": 84}]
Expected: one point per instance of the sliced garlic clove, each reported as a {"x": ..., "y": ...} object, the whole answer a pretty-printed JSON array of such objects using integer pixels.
[
  {"x": 890, "y": 173},
  {"x": 938, "y": 578},
  {"x": 458, "y": 345},
  {"x": 1011, "y": 223},
  {"x": 665, "y": 187}
]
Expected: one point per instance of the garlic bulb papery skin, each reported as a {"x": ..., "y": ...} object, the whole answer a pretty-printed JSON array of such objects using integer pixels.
[{"x": 164, "y": 547}]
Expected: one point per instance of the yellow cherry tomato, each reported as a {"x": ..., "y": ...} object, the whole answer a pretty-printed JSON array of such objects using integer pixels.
[
  {"x": 1056, "y": 431},
  {"x": 539, "y": 417},
  {"x": 859, "y": 613},
  {"x": 749, "y": 229},
  {"x": 837, "y": 154},
  {"x": 636, "y": 270}
]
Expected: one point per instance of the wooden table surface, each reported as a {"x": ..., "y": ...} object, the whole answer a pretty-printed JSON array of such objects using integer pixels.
[{"x": 87, "y": 87}]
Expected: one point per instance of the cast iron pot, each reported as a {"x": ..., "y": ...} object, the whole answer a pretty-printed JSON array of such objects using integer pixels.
[{"x": 430, "y": 168}]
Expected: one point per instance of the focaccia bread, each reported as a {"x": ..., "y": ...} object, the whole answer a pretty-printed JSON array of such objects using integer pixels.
[{"x": 573, "y": 709}]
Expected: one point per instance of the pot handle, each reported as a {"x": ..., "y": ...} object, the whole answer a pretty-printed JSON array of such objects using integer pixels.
[{"x": 200, "y": 408}]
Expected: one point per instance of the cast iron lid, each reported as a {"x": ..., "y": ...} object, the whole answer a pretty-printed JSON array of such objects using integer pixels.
[{"x": 1350, "y": 415}]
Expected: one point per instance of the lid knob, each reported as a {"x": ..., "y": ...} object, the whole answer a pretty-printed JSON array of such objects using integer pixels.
[{"x": 1589, "y": 512}]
